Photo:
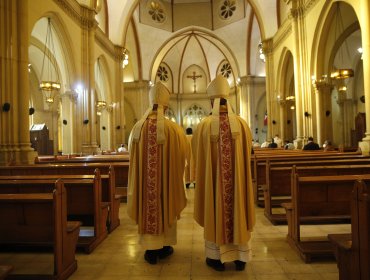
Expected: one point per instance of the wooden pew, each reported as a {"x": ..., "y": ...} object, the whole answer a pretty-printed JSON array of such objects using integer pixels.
[
  {"x": 107, "y": 191},
  {"x": 84, "y": 202},
  {"x": 5, "y": 270},
  {"x": 318, "y": 200},
  {"x": 119, "y": 157},
  {"x": 277, "y": 189},
  {"x": 120, "y": 171},
  {"x": 352, "y": 251},
  {"x": 40, "y": 219},
  {"x": 259, "y": 165}
]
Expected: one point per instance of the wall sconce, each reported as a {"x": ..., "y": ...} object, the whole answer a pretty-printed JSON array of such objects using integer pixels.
[
  {"x": 6, "y": 107},
  {"x": 101, "y": 104},
  {"x": 261, "y": 52},
  {"x": 125, "y": 58},
  {"x": 31, "y": 111}
]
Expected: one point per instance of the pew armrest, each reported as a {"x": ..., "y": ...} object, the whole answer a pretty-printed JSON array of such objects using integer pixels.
[{"x": 342, "y": 241}]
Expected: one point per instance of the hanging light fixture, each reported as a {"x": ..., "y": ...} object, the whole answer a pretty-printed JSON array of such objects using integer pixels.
[
  {"x": 49, "y": 84},
  {"x": 342, "y": 74}
]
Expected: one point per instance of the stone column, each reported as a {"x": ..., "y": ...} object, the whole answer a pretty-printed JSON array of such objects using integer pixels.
[
  {"x": 89, "y": 143},
  {"x": 250, "y": 88},
  {"x": 301, "y": 73},
  {"x": 245, "y": 85},
  {"x": 15, "y": 146},
  {"x": 323, "y": 104},
  {"x": 283, "y": 119},
  {"x": 267, "y": 47},
  {"x": 118, "y": 119},
  {"x": 365, "y": 32}
]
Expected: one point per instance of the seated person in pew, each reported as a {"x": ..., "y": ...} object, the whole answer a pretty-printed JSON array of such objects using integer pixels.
[
  {"x": 156, "y": 193},
  {"x": 311, "y": 145},
  {"x": 288, "y": 145},
  {"x": 328, "y": 146},
  {"x": 265, "y": 144},
  {"x": 278, "y": 141},
  {"x": 122, "y": 148},
  {"x": 272, "y": 145}
]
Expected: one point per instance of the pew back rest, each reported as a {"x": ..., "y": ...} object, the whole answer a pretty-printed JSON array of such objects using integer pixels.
[
  {"x": 39, "y": 215},
  {"x": 361, "y": 226},
  {"x": 320, "y": 196},
  {"x": 84, "y": 193}
]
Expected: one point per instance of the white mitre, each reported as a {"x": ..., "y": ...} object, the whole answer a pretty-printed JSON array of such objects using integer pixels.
[
  {"x": 217, "y": 89},
  {"x": 159, "y": 95}
]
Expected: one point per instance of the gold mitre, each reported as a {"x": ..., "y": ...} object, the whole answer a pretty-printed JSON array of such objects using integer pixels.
[
  {"x": 218, "y": 88},
  {"x": 159, "y": 94}
]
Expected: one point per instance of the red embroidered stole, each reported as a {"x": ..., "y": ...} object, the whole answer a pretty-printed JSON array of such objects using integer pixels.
[
  {"x": 226, "y": 180},
  {"x": 152, "y": 162}
]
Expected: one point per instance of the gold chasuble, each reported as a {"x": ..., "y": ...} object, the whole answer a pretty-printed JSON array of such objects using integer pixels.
[
  {"x": 156, "y": 194},
  {"x": 223, "y": 201}
]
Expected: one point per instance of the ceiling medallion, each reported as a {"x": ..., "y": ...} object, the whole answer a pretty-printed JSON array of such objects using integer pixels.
[
  {"x": 156, "y": 12},
  {"x": 227, "y": 9},
  {"x": 162, "y": 73}
]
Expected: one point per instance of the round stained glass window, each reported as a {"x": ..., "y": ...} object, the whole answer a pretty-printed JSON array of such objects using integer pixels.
[
  {"x": 226, "y": 70},
  {"x": 156, "y": 12},
  {"x": 227, "y": 9},
  {"x": 162, "y": 73}
]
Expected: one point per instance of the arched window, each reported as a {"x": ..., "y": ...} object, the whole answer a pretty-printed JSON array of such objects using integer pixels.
[
  {"x": 193, "y": 116},
  {"x": 170, "y": 115}
]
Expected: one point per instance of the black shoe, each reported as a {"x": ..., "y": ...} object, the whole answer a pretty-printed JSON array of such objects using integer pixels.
[
  {"x": 239, "y": 265},
  {"x": 215, "y": 264},
  {"x": 151, "y": 256},
  {"x": 165, "y": 252}
]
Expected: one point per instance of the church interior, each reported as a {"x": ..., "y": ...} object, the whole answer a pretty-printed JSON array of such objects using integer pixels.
[{"x": 75, "y": 77}]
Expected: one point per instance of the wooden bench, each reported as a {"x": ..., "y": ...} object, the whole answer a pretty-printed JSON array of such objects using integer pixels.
[
  {"x": 259, "y": 164},
  {"x": 5, "y": 270},
  {"x": 84, "y": 202},
  {"x": 352, "y": 250},
  {"x": 120, "y": 171},
  {"x": 277, "y": 189},
  {"x": 116, "y": 157},
  {"x": 40, "y": 219},
  {"x": 318, "y": 200},
  {"x": 107, "y": 190}
]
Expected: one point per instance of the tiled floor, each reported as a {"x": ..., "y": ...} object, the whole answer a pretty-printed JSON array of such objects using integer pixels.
[{"x": 120, "y": 256}]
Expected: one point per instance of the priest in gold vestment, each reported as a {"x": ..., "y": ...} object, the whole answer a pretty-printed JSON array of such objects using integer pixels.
[
  {"x": 156, "y": 193},
  {"x": 223, "y": 202}
]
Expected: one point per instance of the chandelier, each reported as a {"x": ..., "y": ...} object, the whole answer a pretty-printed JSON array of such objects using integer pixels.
[
  {"x": 340, "y": 76},
  {"x": 49, "y": 84}
]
